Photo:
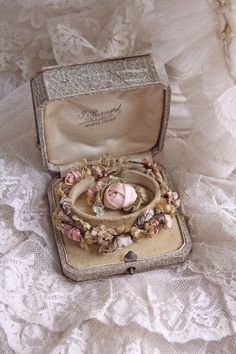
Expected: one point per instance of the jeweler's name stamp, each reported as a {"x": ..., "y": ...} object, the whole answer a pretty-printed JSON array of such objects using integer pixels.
[{"x": 91, "y": 117}]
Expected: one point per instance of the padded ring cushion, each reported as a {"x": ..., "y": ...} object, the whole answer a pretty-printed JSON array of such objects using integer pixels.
[{"x": 132, "y": 177}]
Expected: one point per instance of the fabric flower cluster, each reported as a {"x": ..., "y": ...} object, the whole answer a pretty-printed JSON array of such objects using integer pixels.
[{"x": 106, "y": 239}]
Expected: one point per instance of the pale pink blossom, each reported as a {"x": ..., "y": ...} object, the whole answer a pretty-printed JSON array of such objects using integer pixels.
[
  {"x": 71, "y": 176},
  {"x": 119, "y": 195},
  {"x": 73, "y": 233},
  {"x": 98, "y": 186},
  {"x": 91, "y": 193},
  {"x": 101, "y": 174}
]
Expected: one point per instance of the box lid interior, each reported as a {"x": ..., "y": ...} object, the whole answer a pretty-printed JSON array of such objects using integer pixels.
[{"x": 124, "y": 111}]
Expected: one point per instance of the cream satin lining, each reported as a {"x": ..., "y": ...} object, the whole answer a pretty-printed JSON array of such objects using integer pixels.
[{"x": 118, "y": 123}]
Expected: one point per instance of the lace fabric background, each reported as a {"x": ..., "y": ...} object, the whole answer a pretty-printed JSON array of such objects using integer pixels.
[{"x": 190, "y": 308}]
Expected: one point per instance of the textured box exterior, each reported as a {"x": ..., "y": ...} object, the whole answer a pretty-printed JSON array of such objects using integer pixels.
[
  {"x": 62, "y": 82},
  {"x": 74, "y": 81}
]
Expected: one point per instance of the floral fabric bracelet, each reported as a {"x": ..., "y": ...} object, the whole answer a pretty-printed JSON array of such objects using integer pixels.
[{"x": 110, "y": 190}]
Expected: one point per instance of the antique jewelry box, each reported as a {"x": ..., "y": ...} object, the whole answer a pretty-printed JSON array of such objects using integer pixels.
[{"x": 100, "y": 126}]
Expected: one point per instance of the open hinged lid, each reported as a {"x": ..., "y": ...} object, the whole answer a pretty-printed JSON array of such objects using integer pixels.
[{"x": 117, "y": 106}]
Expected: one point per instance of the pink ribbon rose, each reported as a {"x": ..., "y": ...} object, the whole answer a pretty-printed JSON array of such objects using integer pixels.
[
  {"x": 71, "y": 176},
  {"x": 73, "y": 233},
  {"x": 119, "y": 195}
]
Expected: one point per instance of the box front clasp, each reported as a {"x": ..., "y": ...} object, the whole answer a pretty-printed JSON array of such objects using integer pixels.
[{"x": 130, "y": 257}]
